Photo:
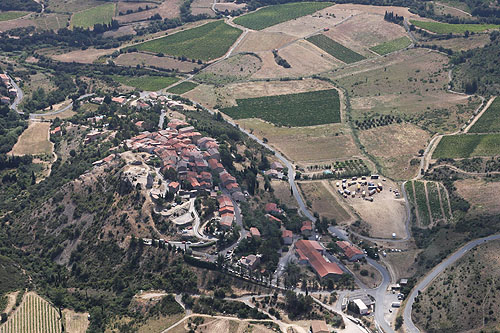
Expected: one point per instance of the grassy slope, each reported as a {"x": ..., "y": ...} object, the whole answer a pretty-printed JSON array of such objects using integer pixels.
[
  {"x": 489, "y": 121},
  {"x": 5, "y": 16},
  {"x": 182, "y": 88},
  {"x": 445, "y": 28},
  {"x": 391, "y": 46},
  {"x": 302, "y": 109},
  {"x": 337, "y": 50},
  {"x": 463, "y": 146},
  {"x": 148, "y": 83},
  {"x": 207, "y": 42},
  {"x": 88, "y": 18},
  {"x": 422, "y": 203},
  {"x": 272, "y": 15}
]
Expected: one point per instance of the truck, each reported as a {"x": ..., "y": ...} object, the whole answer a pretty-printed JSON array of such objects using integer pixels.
[{"x": 396, "y": 304}]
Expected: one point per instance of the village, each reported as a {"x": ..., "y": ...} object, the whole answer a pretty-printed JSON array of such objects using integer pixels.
[{"x": 11, "y": 92}]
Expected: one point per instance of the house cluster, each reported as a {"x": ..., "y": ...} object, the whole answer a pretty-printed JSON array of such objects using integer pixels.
[
  {"x": 311, "y": 252},
  {"x": 143, "y": 102},
  {"x": 4, "y": 79},
  {"x": 226, "y": 211},
  {"x": 276, "y": 171},
  {"x": 192, "y": 157}
]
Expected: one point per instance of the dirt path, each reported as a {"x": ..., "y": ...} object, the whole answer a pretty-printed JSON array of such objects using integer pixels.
[
  {"x": 431, "y": 219},
  {"x": 440, "y": 200},
  {"x": 468, "y": 173},
  {"x": 466, "y": 130}
]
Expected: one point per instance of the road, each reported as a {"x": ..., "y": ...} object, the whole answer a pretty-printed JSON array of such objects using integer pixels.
[
  {"x": 19, "y": 96},
  {"x": 409, "y": 325},
  {"x": 67, "y": 107}
]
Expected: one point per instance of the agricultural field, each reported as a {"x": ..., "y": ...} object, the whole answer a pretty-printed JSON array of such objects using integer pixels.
[
  {"x": 88, "y": 18},
  {"x": 301, "y": 109},
  {"x": 273, "y": 15},
  {"x": 34, "y": 314},
  {"x": 411, "y": 85},
  {"x": 447, "y": 28},
  {"x": 258, "y": 41},
  {"x": 6, "y": 16},
  {"x": 236, "y": 68},
  {"x": 464, "y": 297},
  {"x": 206, "y": 42},
  {"x": 34, "y": 140},
  {"x": 391, "y": 46},
  {"x": 464, "y": 146},
  {"x": 51, "y": 21},
  {"x": 75, "y": 322},
  {"x": 182, "y": 88},
  {"x": 394, "y": 147},
  {"x": 434, "y": 201},
  {"x": 147, "y": 83},
  {"x": 490, "y": 120},
  {"x": 321, "y": 198},
  {"x": 166, "y": 9},
  {"x": 461, "y": 43},
  {"x": 421, "y": 202},
  {"x": 335, "y": 49},
  {"x": 133, "y": 59},
  {"x": 71, "y": 6},
  {"x": 482, "y": 194}
]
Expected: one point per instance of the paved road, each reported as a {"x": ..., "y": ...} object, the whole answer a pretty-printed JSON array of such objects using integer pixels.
[
  {"x": 410, "y": 326},
  {"x": 41, "y": 115},
  {"x": 19, "y": 96}
]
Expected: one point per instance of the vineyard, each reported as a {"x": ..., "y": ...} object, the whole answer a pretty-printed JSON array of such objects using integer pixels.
[
  {"x": 34, "y": 315},
  {"x": 430, "y": 201}
]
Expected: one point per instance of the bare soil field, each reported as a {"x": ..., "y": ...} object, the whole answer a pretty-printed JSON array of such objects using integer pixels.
[
  {"x": 310, "y": 24},
  {"x": 87, "y": 56},
  {"x": 322, "y": 201},
  {"x": 379, "y": 10},
  {"x": 306, "y": 145},
  {"x": 167, "y": 9},
  {"x": 462, "y": 43},
  {"x": 155, "y": 325},
  {"x": 413, "y": 87},
  {"x": 123, "y": 6},
  {"x": 71, "y": 6},
  {"x": 230, "y": 6},
  {"x": 235, "y": 68},
  {"x": 384, "y": 215},
  {"x": 304, "y": 58},
  {"x": 364, "y": 31},
  {"x": 76, "y": 322},
  {"x": 394, "y": 146},
  {"x": 121, "y": 31},
  {"x": 34, "y": 140},
  {"x": 135, "y": 58},
  {"x": 256, "y": 41},
  {"x": 202, "y": 7},
  {"x": 282, "y": 193},
  {"x": 17, "y": 23},
  {"x": 52, "y": 21},
  {"x": 225, "y": 96},
  {"x": 222, "y": 325},
  {"x": 481, "y": 194}
]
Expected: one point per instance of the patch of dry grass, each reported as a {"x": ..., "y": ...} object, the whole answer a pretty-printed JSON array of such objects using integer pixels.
[{"x": 34, "y": 140}]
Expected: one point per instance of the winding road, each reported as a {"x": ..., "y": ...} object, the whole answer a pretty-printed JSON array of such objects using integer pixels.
[{"x": 424, "y": 283}]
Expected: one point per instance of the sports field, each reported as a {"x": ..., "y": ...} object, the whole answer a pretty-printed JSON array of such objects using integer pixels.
[
  {"x": 5, "y": 16},
  {"x": 272, "y": 15},
  {"x": 88, "y": 18},
  {"x": 146, "y": 82},
  {"x": 489, "y": 121},
  {"x": 337, "y": 50},
  {"x": 391, "y": 46},
  {"x": 182, "y": 88},
  {"x": 446, "y": 28},
  {"x": 207, "y": 42},
  {"x": 463, "y": 146},
  {"x": 302, "y": 109}
]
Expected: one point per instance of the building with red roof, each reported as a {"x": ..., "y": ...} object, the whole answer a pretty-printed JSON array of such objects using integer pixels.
[
  {"x": 350, "y": 251},
  {"x": 271, "y": 207},
  {"x": 287, "y": 236},
  {"x": 255, "y": 232},
  {"x": 307, "y": 251},
  {"x": 306, "y": 228}
]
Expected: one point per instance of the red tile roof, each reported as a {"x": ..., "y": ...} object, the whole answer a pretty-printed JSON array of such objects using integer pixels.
[
  {"x": 306, "y": 225},
  {"x": 349, "y": 249},
  {"x": 316, "y": 260},
  {"x": 254, "y": 232},
  {"x": 271, "y": 207},
  {"x": 287, "y": 233}
]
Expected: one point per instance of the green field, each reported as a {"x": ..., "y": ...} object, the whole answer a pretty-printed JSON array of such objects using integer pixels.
[
  {"x": 182, "y": 88},
  {"x": 302, "y": 109},
  {"x": 146, "y": 82},
  {"x": 446, "y": 28},
  {"x": 421, "y": 200},
  {"x": 432, "y": 193},
  {"x": 489, "y": 121},
  {"x": 5, "y": 16},
  {"x": 337, "y": 50},
  {"x": 272, "y": 15},
  {"x": 391, "y": 46},
  {"x": 88, "y": 18},
  {"x": 444, "y": 199},
  {"x": 207, "y": 42},
  {"x": 463, "y": 146}
]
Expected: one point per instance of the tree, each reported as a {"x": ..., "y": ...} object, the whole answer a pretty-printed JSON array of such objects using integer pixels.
[{"x": 399, "y": 322}]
